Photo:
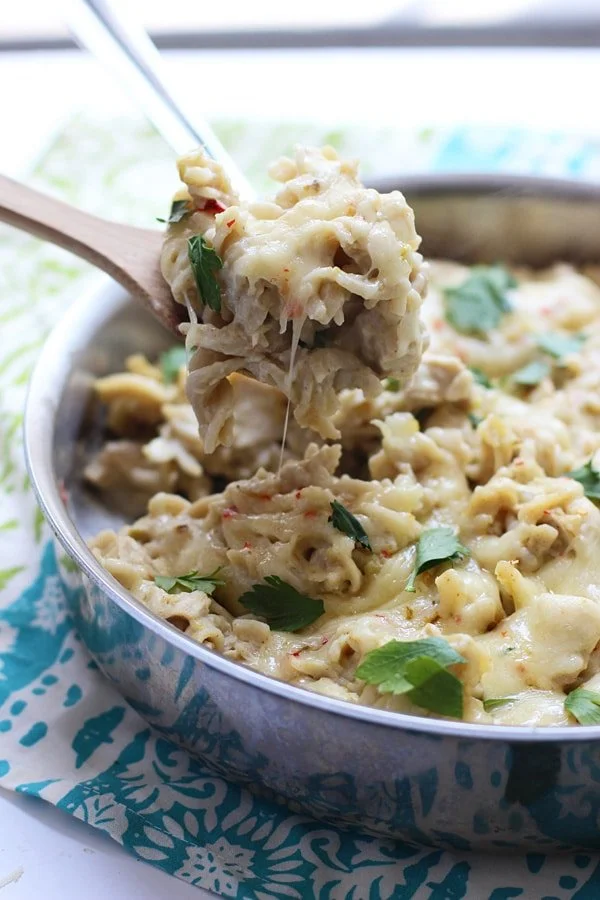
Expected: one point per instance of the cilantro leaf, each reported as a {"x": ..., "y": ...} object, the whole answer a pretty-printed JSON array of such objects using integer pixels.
[
  {"x": 435, "y": 688},
  {"x": 171, "y": 362},
  {"x": 342, "y": 519},
  {"x": 560, "y": 345},
  {"x": 391, "y": 384},
  {"x": 284, "y": 608},
  {"x": 478, "y": 305},
  {"x": 495, "y": 702},
  {"x": 500, "y": 279},
  {"x": 589, "y": 478},
  {"x": 436, "y": 545},
  {"x": 584, "y": 706},
  {"x": 192, "y": 581},
  {"x": 479, "y": 377},
  {"x": 179, "y": 210},
  {"x": 419, "y": 670},
  {"x": 386, "y": 666},
  {"x": 531, "y": 374},
  {"x": 205, "y": 262}
]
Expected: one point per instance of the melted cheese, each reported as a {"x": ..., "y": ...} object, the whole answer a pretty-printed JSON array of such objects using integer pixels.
[
  {"x": 328, "y": 263},
  {"x": 523, "y": 610}
]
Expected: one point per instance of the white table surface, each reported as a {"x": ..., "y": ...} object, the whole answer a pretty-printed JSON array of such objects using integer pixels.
[
  {"x": 44, "y": 853},
  {"x": 49, "y": 855}
]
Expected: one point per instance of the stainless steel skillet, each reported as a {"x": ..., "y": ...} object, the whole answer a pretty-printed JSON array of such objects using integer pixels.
[{"x": 419, "y": 779}]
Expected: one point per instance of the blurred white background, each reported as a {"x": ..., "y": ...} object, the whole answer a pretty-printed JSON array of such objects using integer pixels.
[
  {"x": 425, "y": 63},
  {"x": 532, "y": 20}
]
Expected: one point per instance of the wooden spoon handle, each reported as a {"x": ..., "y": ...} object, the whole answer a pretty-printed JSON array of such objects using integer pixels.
[{"x": 129, "y": 255}]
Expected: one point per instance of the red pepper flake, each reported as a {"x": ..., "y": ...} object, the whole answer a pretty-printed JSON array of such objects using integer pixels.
[
  {"x": 247, "y": 545},
  {"x": 437, "y": 324},
  {"x": 294, "y": 310},
  {"x": 310, "y": 514},
  {"x": 298, "y": 494},
  {"x": 546, "y": 512},
  {"x": 286, "y": 270},
  {"x": 230, "y": 223},
  {"x": 230, "y": 512},
  {"x": 386, "y": 553},
  {"x": 213, "y": 206},
  {"x": 264, "y": 497},
  {"x": 324, "y": 641}
]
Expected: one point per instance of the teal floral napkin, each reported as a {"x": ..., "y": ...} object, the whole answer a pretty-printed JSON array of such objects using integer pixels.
[{"x": 65, "y": 733}]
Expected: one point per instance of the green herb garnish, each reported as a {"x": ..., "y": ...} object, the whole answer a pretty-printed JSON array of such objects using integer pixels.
[
  {"x": 170, "y": 363},
  {"x": 555, "y": 345},
  {"x": 179, "y": 210},
  {"x": 435, "y": 546},
  {"x": 589, "y": 478},
  {"x": 560, "y": 345},
  {"x": 474, "y": 419},
  {"x": 342, "y": 519},
  {"x": 496, "y": 702},
  {"x": 478, "y": 305},
  {"x": 205, "y": 262},
  {"x": 193, "y": 581},
  {"x": 584, "y": 706},
  {"x": 391, "y": 384},
  {"x": 479, "y": 377},
  {"x": 284, "y": 608},
  {"x": 531, "y": 374},
  {"x": 419, "y": 670}
]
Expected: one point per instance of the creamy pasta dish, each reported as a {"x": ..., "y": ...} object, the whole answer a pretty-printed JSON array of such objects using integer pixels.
[
  {"x": 428, "y": 541},
  {"x": 324, "y": 279}
]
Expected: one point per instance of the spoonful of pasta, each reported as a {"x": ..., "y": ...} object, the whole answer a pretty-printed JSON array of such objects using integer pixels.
[{"x": 313, "y": 291}]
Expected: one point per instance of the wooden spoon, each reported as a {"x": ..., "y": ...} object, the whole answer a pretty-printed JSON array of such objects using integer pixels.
[{"x": 129, "y": 255}]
